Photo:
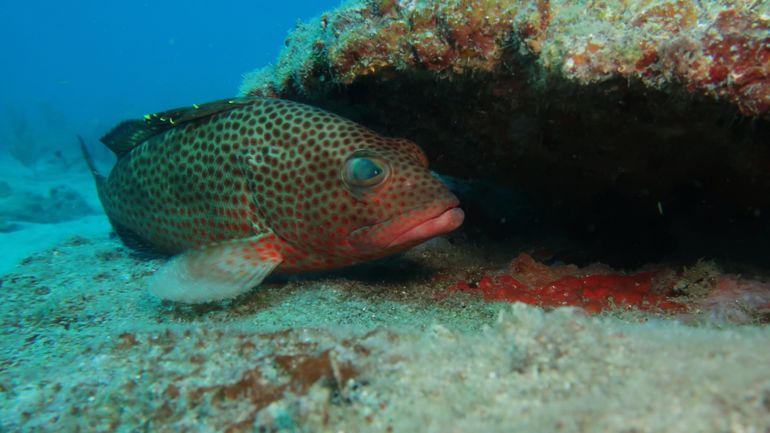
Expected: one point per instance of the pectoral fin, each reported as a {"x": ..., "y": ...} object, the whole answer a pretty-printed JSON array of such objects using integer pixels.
[{"x": 217, "y": 272}]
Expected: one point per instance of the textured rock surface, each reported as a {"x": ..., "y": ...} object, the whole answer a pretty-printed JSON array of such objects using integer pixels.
[
  {"x": 85, "y": 348},
  {"x": 715, "y": 48},
  {"x": 606, "y": 110}
]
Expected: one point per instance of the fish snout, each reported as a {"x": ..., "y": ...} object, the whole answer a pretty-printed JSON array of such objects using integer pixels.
[
  {"x": 409, "y": 228},
  {"x": 447, "y": 221}
]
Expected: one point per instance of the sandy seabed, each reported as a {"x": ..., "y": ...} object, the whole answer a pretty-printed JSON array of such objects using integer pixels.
[{"x": 86, "y": 348}]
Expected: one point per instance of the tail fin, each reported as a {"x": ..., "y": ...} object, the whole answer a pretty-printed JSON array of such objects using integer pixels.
[{"x": 98, "y": 177}]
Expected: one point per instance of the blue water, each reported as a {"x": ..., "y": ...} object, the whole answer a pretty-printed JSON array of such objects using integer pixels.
[{"x": 83, "y": 65}]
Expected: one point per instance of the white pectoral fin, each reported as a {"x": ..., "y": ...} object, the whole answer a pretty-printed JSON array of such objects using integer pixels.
[{"x": 217, "y": 272}]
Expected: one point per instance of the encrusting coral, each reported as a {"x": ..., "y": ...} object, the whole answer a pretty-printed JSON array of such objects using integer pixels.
[{"x": 719, "y": 49}]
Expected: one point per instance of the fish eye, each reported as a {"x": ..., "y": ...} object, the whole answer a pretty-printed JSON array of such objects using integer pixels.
[{"x": 364, "y": 171}]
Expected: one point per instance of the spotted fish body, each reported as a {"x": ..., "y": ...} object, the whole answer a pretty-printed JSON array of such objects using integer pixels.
[{"x": 239, "y": 188}]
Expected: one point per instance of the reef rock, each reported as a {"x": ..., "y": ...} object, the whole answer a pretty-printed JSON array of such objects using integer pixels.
[{"x": 608, "y": 110}]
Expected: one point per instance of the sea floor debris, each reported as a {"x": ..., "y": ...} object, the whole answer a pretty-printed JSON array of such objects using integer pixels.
[{"x": 386, "y": 347}]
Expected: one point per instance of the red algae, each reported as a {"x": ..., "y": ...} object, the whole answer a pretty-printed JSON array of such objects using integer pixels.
[
  {"x": 741, "y": 60},
  {"x": 699, "y": 293},
  {"x": 538, "y": 284}
]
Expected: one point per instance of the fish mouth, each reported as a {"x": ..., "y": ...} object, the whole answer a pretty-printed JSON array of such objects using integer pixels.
[
  {"x": 407, "y": 229},
  {"x": 447, "y": 221}
]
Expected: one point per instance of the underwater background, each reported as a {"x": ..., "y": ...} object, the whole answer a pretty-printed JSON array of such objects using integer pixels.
[
  {"x": 611, "y": 274},
  {"x": 80, "y": 68}
]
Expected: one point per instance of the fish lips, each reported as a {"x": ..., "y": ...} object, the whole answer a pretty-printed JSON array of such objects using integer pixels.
[
  {"x": 409, "y": 229},
  {"x": 447, "y": 221}
]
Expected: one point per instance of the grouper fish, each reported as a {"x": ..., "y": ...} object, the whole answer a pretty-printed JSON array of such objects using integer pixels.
[{"x": 239, "y": 188}]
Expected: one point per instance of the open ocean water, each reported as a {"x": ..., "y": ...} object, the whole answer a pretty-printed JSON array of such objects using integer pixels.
[{"x": 82, "y": 67}]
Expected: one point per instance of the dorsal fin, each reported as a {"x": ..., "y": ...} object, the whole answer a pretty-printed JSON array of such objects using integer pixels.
[
  {"x": 132, "y": 133},
  {"x": 128, "y": 135}
]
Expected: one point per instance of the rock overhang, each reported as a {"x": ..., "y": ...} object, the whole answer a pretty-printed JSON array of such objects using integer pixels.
[{"x": 606, "y": 111}]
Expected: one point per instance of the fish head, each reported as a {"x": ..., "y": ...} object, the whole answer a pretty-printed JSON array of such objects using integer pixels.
[
  {"x": 336, "y": 190},
  {"x": 396, "y": 202}
]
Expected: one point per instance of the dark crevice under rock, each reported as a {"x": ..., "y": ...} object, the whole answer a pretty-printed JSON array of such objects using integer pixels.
[{"x": 633, "y": 174}]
